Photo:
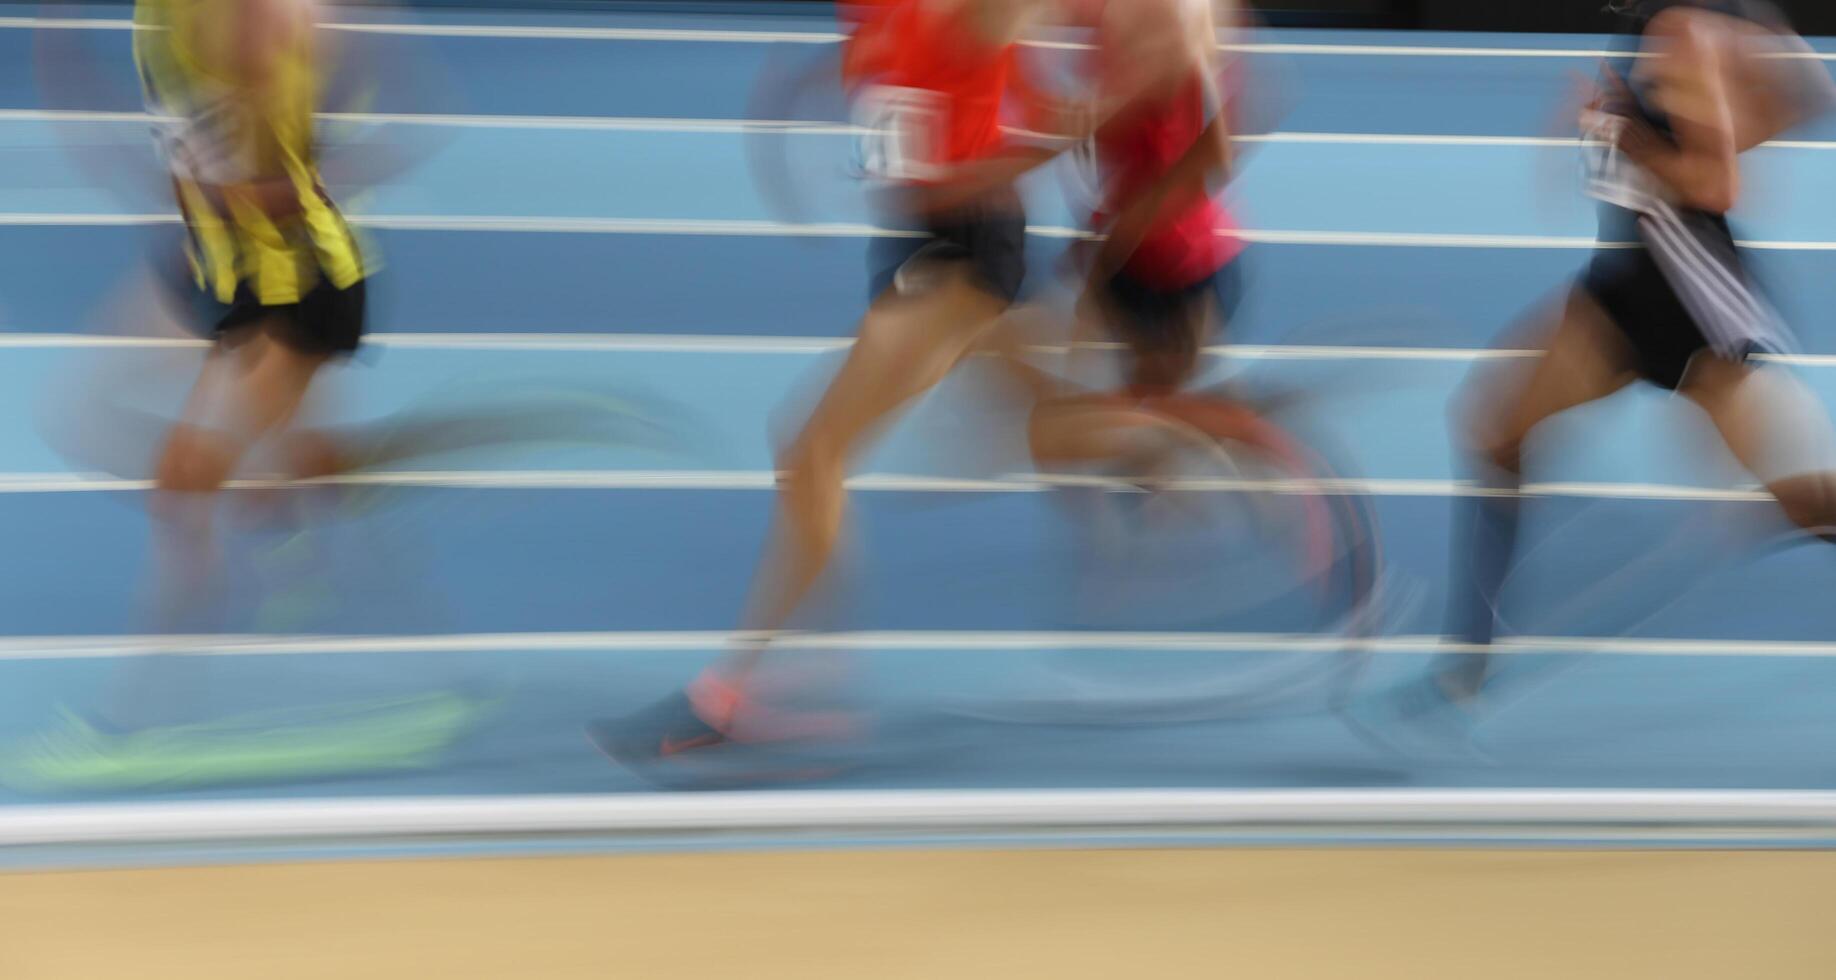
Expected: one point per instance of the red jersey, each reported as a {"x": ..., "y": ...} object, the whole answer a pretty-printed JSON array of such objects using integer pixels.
[
  {"x": 1135, "y": 149},
  {"x": 948, "y": 86}
]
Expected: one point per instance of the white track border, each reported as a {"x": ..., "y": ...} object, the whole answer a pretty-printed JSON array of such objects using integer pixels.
[
  {"x": 816, "y": 812},
  {"x": 917, "y": 642}
]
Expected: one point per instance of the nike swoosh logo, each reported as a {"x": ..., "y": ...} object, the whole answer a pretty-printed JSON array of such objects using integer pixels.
[{"x": 672, "y": 746}]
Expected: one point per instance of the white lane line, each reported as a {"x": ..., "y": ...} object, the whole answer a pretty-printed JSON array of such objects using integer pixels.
[
  {"x": 663, "y": 343},
  {"x": 83, "y": 647},
  {"x": 1384, "y": 239},
  {"x": 747, "y": 228},
  {"x": 67, "y": 647},
  {"x": 666, "y": 343},
  {"x": 833, "y": 811},
  {"x": 1422, "y": 51},
  {"x": 76, "y": 116},
  {"x": 647, "y": 226},
  {"x": 534, "y": 225},
  {"x": 1440, "y": 51},
  {"x": 1444, "y": 139},
  {"x": 62, "y": 341},
  {"x": 639, "y": 124},
  {"x": 645, "y": 124},
  {"x": 780, "y": 229},
  {"x": 793, "y": 127},
  {"x": 765, "y": 480},
  {"x": 624, "y": 343},
  {"x": 1407, "y": 139},
  {"x": 65, "y": 24},
  {"x": 663, "y": 124},
  {"x": 36, "y": 219},
  {"x": 556, "y": 33},
  {"x": 1306, "y": 352},
  {"x": 1800, "y": 360},
  {"x": 647, "y": 344},
  {"x": 504, "y": 32},
  {"x": 591, "y": 33}
]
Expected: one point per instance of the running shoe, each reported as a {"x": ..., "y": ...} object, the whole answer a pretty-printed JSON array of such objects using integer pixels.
[
  {"x": 669, "y": 728},
  {"x": 669, "y": 744}
]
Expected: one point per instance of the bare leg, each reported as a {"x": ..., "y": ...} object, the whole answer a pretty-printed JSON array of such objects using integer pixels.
[
  {"x": 1165, "y": 366},
  {"x": 1584, "y": 359},
  {"x": 1092, "y": 429},
  {"x": 250, "y": 391},
  {"x": 1084, "y": 428},
  {"x": 905, "y": 347},
  {"x": 239, "y": 396},
  {"x": 906, "y": 344},
  {"x": 1015, "y": 342},
  {"x": 1775, "y": 428}
]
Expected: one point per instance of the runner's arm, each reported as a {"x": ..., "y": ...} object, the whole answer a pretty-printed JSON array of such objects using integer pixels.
[
  {"x": 1701, "y": 166},
  {"x": 1048, "y": 126},
  {"x": 266, "y": 31}
]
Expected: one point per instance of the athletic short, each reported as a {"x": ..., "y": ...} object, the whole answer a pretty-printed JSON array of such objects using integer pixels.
[
  {"x": 990, "y": 237},
  {"x": 1682, "y": 293},
  {"x": 1157, "y": 317},
  {"x": 326, "y": 321}
]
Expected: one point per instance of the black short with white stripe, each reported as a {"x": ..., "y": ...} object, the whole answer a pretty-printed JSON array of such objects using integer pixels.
[{"x": 1680, "y": 291}]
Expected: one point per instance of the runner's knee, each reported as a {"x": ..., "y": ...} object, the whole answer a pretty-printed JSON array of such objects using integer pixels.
[
  {"x": 1486, "y": 437},
  {"x": 813, "y": 468},
  {"x": 192, "y": 462},
  {"x": 1809, "y": 500},
  {"x": 813, "y": 494}
]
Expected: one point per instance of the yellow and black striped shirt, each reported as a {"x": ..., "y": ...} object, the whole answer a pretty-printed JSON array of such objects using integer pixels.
[{"x": 222, "y": 136}]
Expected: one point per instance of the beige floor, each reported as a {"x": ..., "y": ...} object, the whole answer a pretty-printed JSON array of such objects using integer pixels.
[{"x": 1267, "y": 915}]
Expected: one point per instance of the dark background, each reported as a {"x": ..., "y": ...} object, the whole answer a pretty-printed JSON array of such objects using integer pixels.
[
  {"x": 1552, "y": 16},
  {"x": 1810, "y": 16}
]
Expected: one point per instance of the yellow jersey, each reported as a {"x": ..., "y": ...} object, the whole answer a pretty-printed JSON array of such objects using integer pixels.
[{"x": 222, "y": 135}]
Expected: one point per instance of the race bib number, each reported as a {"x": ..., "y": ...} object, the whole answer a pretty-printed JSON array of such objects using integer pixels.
[
  {"x": 1611, "y": 177},
  {"x": 900, "y": 133}
]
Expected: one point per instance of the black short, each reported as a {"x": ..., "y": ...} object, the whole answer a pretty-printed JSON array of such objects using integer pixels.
[
  {"x": 990, "y": 237},
  {"x": 1684, "y": 290},
  {"x": 1155, "y": 317},
  {"x": 327, "y": 320},
  {"x": 1633, "y": 291}
]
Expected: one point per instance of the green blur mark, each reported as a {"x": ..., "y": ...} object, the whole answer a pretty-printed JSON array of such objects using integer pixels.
[{"x": 394, "y": 734}]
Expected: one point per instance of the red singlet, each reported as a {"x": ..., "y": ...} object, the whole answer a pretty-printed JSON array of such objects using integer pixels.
[
  {"x": 908, "y": 44},
  {"x": 1134, "y": 150}
]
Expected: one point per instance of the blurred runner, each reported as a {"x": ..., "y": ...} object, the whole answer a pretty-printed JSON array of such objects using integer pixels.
[
  {"x": 1226, "y": 534},
  {"x": 276, "y": 283},
  {"x": 1679, "y": 310},
  {"x": 1163, "y": 276},
  {"x": 933, "y": 82},
  {"x": 275, "y": 278},
  {"x": 278, "y": 273}
]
